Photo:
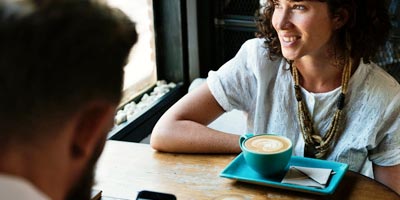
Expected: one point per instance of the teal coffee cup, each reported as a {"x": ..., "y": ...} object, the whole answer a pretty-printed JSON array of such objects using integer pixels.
[{"x": 265, "y": 153}]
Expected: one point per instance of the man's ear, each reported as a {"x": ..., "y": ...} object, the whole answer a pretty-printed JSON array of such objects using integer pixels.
[
  {"x": 340, "y": 18},
  {"x": 92, "y": 124}
]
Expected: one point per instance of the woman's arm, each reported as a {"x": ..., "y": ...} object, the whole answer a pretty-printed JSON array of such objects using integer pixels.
[
  {"x": 183, "y": 128},
  {"x": 390, "y": 176}
]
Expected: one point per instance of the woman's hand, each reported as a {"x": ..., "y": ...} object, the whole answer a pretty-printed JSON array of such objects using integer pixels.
[{"x": 390, "y": 176}]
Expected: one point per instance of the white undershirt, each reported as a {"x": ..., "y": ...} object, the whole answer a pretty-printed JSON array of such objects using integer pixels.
[{"x": 17, "y": 188}]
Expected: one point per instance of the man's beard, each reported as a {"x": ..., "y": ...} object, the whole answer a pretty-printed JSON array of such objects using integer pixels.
[{"x": 83, "y": 187}]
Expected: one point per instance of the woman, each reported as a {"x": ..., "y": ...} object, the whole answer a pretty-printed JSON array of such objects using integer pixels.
[{"x": 308, "y": 78}]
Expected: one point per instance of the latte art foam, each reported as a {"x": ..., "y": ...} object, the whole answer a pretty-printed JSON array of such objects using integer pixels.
[{"x": 267, "y": 144}]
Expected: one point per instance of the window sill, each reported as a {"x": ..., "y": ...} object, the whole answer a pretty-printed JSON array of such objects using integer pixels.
[{"x": 141, "y": 125}]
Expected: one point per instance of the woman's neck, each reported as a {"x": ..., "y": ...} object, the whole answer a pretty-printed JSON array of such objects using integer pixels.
[{"x": 319, "y": 76}]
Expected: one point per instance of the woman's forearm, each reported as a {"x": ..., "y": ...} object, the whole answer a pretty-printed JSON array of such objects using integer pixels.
[{"x": 186, "y": 136}]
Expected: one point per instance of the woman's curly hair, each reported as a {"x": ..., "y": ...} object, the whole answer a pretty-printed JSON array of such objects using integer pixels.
[{"x": 367, "y": 28}]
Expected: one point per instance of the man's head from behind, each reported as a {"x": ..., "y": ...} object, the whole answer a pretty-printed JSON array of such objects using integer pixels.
[{"x": 61, "y": 71}]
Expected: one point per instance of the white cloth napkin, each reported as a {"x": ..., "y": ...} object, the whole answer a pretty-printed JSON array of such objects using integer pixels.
[{"x": 308, "y": 176}]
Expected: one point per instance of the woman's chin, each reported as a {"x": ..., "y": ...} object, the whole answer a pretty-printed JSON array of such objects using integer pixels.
[
  {"x": 292, "y": 55},
  {"x": 289, "y": 55}
]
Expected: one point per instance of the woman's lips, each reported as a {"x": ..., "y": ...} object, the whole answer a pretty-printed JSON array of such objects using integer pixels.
[{"x": 288, "y": 40}]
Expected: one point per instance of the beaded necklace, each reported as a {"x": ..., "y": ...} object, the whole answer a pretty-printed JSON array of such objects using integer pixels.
[{"x": 315, "y": 145}]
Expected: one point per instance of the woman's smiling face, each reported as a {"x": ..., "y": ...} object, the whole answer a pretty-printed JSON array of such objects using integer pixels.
[{"x": 304, "y": 28}]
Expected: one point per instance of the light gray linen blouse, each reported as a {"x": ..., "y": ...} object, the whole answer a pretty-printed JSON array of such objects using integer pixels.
[{"x": 263, "y": 89}]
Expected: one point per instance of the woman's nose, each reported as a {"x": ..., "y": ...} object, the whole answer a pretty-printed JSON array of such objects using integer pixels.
[{"x": 282, "y": 19}]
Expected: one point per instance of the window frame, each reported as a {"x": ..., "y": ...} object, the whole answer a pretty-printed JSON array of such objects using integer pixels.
[{"x": 172, "y": 65}]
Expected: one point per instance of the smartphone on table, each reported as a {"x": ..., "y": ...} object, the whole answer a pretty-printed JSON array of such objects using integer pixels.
[{"x": 151, "y": 195}]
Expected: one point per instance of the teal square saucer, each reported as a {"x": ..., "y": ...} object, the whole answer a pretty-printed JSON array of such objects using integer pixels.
[{"x": 240, "y": 171}]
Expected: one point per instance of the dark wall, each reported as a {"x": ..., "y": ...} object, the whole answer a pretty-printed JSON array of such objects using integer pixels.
[
  {"x": 223, "y": 27},
  {"x": 389, "y": 56}
]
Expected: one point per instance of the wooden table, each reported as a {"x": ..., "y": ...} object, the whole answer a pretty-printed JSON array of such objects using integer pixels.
[{"x": 126, "y": 168}]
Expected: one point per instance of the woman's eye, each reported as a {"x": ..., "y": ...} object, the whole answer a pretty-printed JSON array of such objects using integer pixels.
[
  {"x": 277, "y": 5},
  {"x": 299, "y": 7}
]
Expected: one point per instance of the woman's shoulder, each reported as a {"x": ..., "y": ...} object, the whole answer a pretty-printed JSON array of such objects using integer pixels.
[
  {"x": 256, "y": 50},
  {"x": 378, "y": 77},
  {"x": 258, "y": 59},
  {"x": 378, "y": 83},
  {"x": 255, "y": 44}
]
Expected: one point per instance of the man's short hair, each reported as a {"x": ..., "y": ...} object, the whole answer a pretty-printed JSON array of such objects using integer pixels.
[{"x": 55, "y": 56}]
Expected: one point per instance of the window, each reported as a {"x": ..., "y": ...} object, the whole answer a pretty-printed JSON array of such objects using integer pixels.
[
  {"x": 140, "y": 71},
  {"x": 159, "y": 54}
]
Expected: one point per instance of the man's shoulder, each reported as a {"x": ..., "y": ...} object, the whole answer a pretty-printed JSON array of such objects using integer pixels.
[{"x": 18, "y": 188}]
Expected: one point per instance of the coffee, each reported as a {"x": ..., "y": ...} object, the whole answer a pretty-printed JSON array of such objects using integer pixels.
[{"x": 267, "y": 144}]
